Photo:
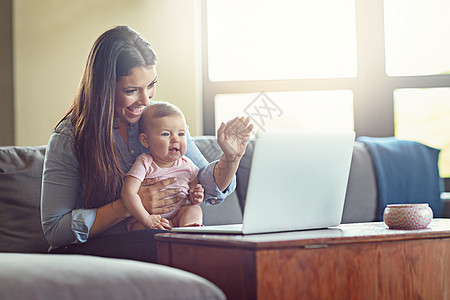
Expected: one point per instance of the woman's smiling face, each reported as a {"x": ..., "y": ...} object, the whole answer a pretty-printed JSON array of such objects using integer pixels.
[{"x": 133, "y": 93}]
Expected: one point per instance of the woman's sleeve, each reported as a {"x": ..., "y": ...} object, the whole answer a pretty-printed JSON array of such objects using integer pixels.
[
  {"x": 63, "y": 220},
  {"x": 206, "y": 175}
]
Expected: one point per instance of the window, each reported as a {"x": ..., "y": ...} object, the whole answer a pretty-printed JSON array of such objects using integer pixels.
[
  {"x": 266, "y": 39},
  {"x": 422, "y": 115},
  {"x": 253, "y": 43},
  {"x": 416, "y": 46},
  {"x": 359, "y": 55},
  {"x": 328, "y": 110},
  {"x": 417, "y": 40}
]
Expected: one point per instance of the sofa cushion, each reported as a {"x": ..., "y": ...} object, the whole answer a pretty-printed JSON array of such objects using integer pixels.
[
  {"x": 20, "y": 197},
  {"x": 229, "y": 211},
  {"x": 361, "y": 196},
  {"x": 209, "y": 147},
  {"x": 51, "y": 276},
  {"x": 243, "y": 173}
]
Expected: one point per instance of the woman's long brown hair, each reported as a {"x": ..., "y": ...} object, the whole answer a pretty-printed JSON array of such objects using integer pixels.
[{"x": 115, "y": 53}]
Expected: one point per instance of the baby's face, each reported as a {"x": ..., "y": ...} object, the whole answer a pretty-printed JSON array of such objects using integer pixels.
[{"x": 166, "y": 138}]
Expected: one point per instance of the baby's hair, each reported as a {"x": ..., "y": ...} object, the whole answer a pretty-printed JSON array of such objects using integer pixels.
[{"x": 159, "y": 109}]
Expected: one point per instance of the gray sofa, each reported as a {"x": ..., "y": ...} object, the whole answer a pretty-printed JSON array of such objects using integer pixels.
[{"x": 27, "y": 272}]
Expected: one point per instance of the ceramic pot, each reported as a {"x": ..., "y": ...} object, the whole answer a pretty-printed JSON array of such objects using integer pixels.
[{"x": 407, "y": 216}]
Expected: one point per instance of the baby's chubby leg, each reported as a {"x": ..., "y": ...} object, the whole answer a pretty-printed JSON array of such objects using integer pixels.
[{"x": 189, "y": 215}]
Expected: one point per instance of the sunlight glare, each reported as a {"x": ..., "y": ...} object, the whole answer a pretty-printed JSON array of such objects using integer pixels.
[{"x": 286, "y": 39}]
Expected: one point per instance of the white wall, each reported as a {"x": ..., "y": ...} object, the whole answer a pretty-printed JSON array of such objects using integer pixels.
[{"x": 52, "y": 39}]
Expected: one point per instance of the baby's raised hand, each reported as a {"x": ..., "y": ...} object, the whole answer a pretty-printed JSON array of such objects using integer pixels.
[{"x": 196, "y": 194}]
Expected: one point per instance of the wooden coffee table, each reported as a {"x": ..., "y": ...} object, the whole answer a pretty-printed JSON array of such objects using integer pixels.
[{"x": 351, "y": 261}]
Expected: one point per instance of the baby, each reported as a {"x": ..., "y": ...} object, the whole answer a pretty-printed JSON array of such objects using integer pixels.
[{"x": 163, "y": 128}]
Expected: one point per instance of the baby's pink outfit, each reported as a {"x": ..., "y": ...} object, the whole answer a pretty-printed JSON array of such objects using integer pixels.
[{"x": 183, "y": 169}]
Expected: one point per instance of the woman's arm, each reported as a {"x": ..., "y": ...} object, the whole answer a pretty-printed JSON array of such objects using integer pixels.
[
  {"x": 225, "y": 170},
  {"x": 108, "y": 216},
  {"x": 64, "y": 219}
]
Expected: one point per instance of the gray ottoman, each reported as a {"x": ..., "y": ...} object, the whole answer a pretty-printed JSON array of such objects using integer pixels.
[{"x": 50, "y": 276}]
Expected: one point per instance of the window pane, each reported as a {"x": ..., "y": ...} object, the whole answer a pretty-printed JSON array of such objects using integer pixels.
[
  {"x": 416, "y": 34},
  {"x": 423, "y": 115},
  {"x": 330, "y": 110},
  {"x": 262, "y": 39}
]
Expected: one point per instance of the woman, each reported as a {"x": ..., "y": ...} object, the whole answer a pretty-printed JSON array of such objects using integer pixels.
[{"x": 97, "y": 141}]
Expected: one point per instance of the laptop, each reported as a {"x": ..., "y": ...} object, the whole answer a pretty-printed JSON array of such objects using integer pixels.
[{"x": 298, "y": 180}]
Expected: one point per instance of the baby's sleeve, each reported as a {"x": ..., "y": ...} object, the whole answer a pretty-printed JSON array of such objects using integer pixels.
[
  {"x": 141, "y": 167},
  {"x": 193, "y": 169}
]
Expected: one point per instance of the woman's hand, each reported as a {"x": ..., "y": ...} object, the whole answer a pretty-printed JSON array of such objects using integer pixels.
[
  {"x": 233, "y": 137},
  {"x": 156, "y": 198}
]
